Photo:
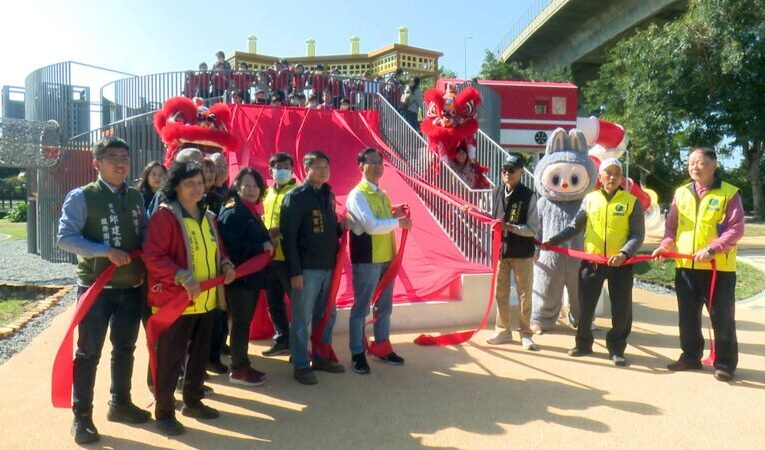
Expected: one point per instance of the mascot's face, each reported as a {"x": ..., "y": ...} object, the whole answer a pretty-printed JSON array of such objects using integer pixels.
[
  {"x": 181, "y": 123},
  {"x": 565, "y": 173}
]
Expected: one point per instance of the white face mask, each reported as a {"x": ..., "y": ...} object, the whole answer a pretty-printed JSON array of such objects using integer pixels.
[{"x": 282, "y": 176}]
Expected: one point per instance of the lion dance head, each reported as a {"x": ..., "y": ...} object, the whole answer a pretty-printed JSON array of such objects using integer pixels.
[
  {"x": 183, "y": 123},
  {"x": 450, "y": 120}
]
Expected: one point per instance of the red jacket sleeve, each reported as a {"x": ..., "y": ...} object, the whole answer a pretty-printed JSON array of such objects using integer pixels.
[{"x": 164, "y": 252}]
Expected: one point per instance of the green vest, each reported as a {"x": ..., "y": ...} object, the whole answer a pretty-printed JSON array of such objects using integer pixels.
[
  {"x": 272, "y": 210},
  {"x": 382, "y": 244},
  {"x": 113, "y": 220},
  {"x": 697, "y": 221},
  {"x": 608, "y": 222}
]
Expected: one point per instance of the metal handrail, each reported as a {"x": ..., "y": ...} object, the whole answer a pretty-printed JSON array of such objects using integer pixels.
[
  {"x": 520, "y": 26},
  {"x": 471, "y": 236}
]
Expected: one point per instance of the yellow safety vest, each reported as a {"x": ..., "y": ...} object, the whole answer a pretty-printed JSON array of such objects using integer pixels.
[
  {"x": 379, "y": 203},
  {"x": 697, "y": 222},
  {"x": 608, "y": 222},
  {"x": 204, "y": 249},
  {"x": 272, "y": 210}
]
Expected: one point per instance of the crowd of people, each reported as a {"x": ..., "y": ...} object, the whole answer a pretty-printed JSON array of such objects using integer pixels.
[
  {"x": 192, "y": 227},
  {"x": 285, "y": 84}
]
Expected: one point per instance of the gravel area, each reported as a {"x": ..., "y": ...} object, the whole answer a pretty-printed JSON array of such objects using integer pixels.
[
  {"x": 654, "y": 288},
  {"x": 18, "y": 266}
]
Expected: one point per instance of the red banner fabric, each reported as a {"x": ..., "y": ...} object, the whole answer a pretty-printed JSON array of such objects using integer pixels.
[{"x": 433, "y": 261}]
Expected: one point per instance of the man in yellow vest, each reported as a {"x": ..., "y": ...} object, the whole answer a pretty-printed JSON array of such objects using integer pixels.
[
  {"x": 706, "y": 220},
  {"x": 612, "y": 221},
  {"x": 372, "y": 248},
  {"x": 277, "y": 274}
]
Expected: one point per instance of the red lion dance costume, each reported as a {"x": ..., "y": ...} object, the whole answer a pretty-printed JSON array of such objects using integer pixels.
[
  {"x": 183, "y": 123},
  {"x": 450, "y": 123}
]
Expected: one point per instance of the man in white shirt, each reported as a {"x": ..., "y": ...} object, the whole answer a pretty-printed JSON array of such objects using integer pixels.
[{"x": 372, "y": 249}]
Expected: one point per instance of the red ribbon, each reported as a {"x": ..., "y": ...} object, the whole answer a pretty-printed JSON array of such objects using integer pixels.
[
  {"x": 381, "y": 349},
  {"x": 161, "y": 320},
  {"x": 324, "y": 349},
  {"x": 63, "y": 364},
  {"x": 462, "y": 336}
]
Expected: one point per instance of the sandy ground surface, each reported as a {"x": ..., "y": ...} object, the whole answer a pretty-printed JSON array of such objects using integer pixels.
[{"x": 469, "y": 396}]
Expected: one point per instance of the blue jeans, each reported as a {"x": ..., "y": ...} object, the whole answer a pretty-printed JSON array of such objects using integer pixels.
[
  {"x": 119, "y": 309},
  {"x": 365, "y": 279},
  {"x": 308, "y": 305}
]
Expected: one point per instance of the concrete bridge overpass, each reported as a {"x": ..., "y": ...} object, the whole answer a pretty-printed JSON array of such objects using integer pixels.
[{"x": 580, "y": 32}]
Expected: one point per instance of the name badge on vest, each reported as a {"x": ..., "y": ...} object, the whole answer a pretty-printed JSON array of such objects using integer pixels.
[{"x": 620, "y": 209}]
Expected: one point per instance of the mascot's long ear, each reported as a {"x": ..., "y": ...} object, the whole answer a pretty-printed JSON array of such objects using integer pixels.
[
  {"x": 558, "y": 142},
  {"x": 578, "y": 140}
]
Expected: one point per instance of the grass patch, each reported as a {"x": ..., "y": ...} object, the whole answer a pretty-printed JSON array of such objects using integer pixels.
[
  {"x": 749, "y": 280},
  {"x": 16, "y": 230},
  {"x": 11, "y": 308}
]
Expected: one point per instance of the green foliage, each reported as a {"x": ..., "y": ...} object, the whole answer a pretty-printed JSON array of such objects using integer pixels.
[
  {"x": 750, "y": 281},
  {"x": 18, "y": 213},
  {"x": 691, "y": 82},
  {"x": 494, "y": 69},
  {"x": 443, "y": 72},
  {"x": 11, "y": 308}
]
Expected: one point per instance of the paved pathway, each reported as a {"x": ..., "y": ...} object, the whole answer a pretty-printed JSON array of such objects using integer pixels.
[{"x": 469, "y": 396}]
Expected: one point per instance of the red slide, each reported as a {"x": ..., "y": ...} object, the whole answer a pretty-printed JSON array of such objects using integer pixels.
[{"x": 432, "y": 265}]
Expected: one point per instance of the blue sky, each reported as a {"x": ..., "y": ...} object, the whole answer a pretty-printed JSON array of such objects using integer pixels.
[{"x": 143, "y": 36}]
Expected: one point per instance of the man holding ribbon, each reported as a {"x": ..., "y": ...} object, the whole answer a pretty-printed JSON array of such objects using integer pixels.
[
  {"x": 612, "y": 221},
  {"x": 101, "y": 223},
  {"x": 372, "y": 245},
  {"x": 310, "y": 232},
  {"x": 706, "y": 220}
]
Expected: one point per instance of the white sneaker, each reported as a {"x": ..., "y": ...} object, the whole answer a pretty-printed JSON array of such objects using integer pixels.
[
  {"x": 502, "y": 337},
  {"x": 528, "y": 344}
]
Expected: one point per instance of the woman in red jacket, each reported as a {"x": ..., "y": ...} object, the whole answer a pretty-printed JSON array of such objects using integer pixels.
[{"x": 183, "y": 248}]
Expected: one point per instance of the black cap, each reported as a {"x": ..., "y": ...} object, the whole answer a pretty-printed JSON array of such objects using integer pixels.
[{"x": 515, "y": 161}]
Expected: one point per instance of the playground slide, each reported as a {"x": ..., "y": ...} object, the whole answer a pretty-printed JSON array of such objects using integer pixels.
[{"x": 432, "y": 264}]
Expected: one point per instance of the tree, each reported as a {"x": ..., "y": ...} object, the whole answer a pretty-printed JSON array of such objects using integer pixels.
[
  {"x": 494, "y": 69},
  {"x": 443, "y": 72},
  {"x": 697, "y": 81}
]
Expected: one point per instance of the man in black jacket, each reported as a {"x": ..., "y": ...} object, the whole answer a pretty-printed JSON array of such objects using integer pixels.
[{"x": 310, "y": 232}]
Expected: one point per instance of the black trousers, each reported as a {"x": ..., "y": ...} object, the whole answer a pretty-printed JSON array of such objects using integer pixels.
[
  {"x": 620, "y": 279},
  {"x": 241, "y": 308},
  {"x": 219, "y": 334},
  {"x": 189, "y": 334},
  {"x": 120, "y": 310},
  {"x": 277, "y": 281},
  {"x": 692, "y": 287}
]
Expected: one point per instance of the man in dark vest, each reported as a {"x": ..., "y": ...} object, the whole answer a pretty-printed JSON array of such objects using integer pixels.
[
  {"x": 101, "y": 223},
  {"x": 516, "y": 206}
]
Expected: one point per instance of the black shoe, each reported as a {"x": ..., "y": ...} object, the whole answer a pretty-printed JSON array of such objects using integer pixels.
[
  {"x": 305, "y": 376},
  {"x": 170, "y": 426},
  {"x": 279, "y": 348},
  {"x": 83, "y": 430},
  {"x": 126, "y": 413},
  {"x": 217, "y": 367},
  {"x": 326, "y": 365},
  {"x": 359, "y": 363},
  {"x": 200, "y": 411},
  {"x": 619, "y": 360},
  {"x": 577, "y": 352},
  {"x": 392, "y": 358},
  {"x": 684, "y": 364},
  {"x": 225, "y": 350},
  {"x": 723, "y": 375}
]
